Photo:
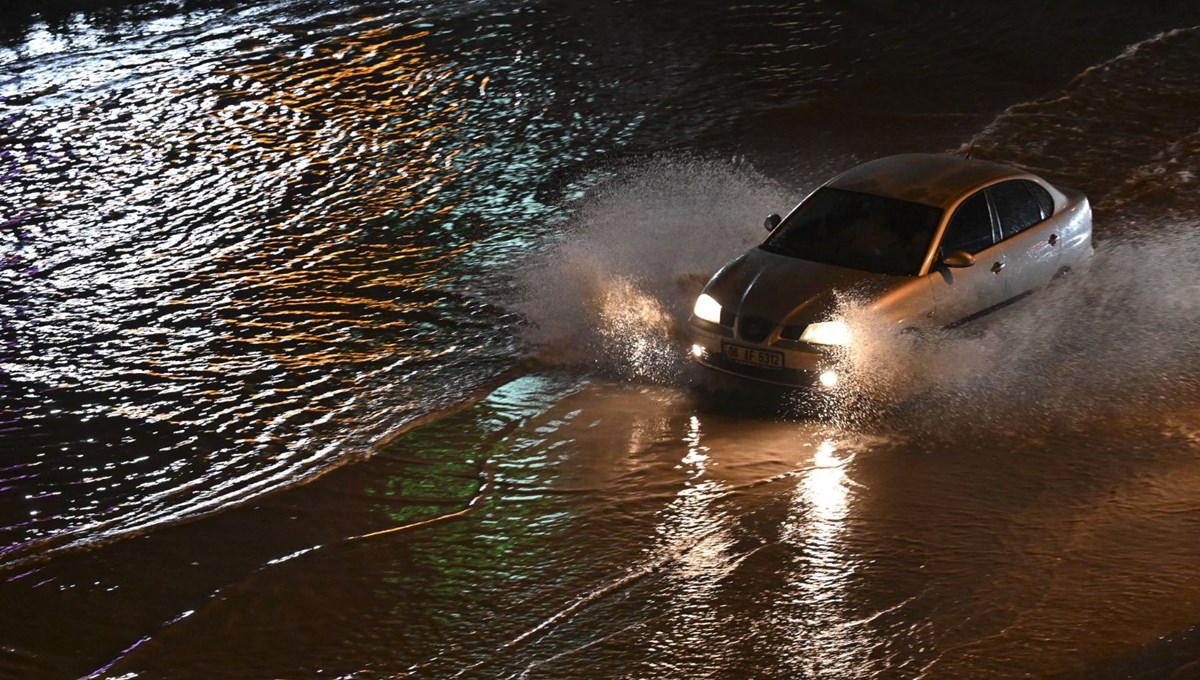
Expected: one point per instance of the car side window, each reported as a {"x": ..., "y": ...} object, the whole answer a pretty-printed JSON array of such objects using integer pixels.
[
  {"x": 1015, "y": 206},
  {"x": 970, "y": 228},
  {"x": 1044, "y": 201}
]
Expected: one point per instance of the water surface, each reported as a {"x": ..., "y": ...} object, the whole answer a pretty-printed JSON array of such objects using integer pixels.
[{"x": 239, "y": 246}]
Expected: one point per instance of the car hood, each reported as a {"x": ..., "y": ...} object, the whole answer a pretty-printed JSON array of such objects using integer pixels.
[{"x": 792, "y": 291}]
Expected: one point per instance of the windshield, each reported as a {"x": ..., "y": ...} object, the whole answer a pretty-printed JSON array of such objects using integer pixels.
[{"x": 857, "y": 231}]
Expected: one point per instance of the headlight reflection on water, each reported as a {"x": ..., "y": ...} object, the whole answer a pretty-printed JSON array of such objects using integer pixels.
[
  {"x": 824, "y": 488},
  {"x": 754, "y": 546},
  {"x": 825, "y": 638},
  {"x": 696, "y": 535}
]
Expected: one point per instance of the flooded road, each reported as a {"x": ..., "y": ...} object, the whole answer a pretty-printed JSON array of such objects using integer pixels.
[
  {"x": 346, "y": 341},
  {"x": 574, "y": 528}
]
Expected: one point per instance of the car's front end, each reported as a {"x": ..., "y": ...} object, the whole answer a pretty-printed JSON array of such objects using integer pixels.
[
  {"x": 757, "y": 348},
  {"x": 773, "y": 318},
  {"x": 774, "y": 314}
]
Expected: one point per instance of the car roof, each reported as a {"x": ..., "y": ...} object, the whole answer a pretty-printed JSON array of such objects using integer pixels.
[{"x": 927, "y": 178}]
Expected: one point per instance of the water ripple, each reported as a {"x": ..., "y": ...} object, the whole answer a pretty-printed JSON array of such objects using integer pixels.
[{"x": 239, "y": 246}]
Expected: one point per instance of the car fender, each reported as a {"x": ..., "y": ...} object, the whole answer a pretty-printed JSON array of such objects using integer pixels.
[
  {"x": 1076, "y": 229},
  {"x": 907, "y": 305}
]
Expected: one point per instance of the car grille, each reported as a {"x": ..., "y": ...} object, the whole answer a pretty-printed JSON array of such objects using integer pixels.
[{"x": 754, "y": 329}]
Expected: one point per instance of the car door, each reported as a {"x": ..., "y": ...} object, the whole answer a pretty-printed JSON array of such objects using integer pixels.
[
  {"x": 961, "y": 292},
  {"x": 1028, "y": 238}
]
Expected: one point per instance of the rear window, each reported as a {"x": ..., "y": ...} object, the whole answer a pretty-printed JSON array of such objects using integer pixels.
[{"x": 857, "y": 231}]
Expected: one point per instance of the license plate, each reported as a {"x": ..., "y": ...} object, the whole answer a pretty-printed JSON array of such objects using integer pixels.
[{"x": 753, "y": 357}]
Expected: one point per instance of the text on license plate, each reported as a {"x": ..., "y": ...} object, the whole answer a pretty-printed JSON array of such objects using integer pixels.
[{"x": 754, "y": 357}]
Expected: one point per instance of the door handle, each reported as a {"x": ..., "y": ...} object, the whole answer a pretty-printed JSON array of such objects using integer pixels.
[
  {"x": 998, "y": 267},
  {"x": 1053, "y": 239}
]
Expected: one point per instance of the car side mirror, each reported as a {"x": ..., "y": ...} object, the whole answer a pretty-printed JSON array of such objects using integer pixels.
[
  {"x": 772, "y": 221},
  {"x": 959, "y": 259}
]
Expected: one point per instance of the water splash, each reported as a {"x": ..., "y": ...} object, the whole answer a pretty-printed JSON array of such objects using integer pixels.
[
  {"x": 613, "y": 293},
  {"x": 1109, "y": 341}
]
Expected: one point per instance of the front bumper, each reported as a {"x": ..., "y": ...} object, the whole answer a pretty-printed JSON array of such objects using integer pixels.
[{"x": 719, "y": 347}]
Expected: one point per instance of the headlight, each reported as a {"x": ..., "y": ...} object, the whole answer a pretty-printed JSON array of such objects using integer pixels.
[
  {"x": 827, "y": 333},
  {"x": 707, "y": 308}
]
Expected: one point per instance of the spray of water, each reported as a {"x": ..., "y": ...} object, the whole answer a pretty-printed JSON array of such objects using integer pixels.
[
  {"x": 1116, "y": 339},
  {"x": 613, "y": 292}
]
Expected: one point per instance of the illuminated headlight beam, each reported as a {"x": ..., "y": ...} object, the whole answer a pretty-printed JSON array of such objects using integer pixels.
[
  {"x": 827, "y": 333},
  {"x": 707, "y": 308}
]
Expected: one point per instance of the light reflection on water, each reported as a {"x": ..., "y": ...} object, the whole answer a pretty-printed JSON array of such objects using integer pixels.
[
  {"x": 239, "y": 245},
  {"x": 630, "y": 530},
  {"x": 817, "y": 602},
  {"x": 242, "y": 245},
  {"x": 696, "y": 537}
]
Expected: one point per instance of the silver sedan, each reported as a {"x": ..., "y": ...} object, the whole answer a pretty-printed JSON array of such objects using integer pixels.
[{"x": 919, "y": 240}]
